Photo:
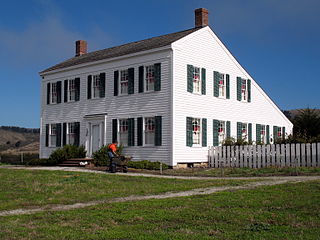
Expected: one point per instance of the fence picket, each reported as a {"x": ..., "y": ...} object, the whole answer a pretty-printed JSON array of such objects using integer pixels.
[
  {"x": 232, "y": 157},
  {"x": 278, "y": 156},
  {"x": 287, "y": 155},
  {"x": 259, "y": 156},
  {"x": 237, "y": 160},
  {"x": 303, "y": 155},
  {"x": 254, "y": 156},
  {"x": 293, "y": 156},
  {"x": 308, "y": 148},
  {"x": 241, "y": 155},
  {"x": 268, "y": 156},
  {"x": 314, "y": 154},
  {"x": 273, "y": 154},
  {"x": 318, "y": 154},
  {"x": 228, "y": 157},
  {"x": 298, "y": 155},
  {"x": 263, "y": 160}
]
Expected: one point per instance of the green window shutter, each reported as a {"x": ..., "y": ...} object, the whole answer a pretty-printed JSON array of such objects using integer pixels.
[
  {"x": 64, "y": 134},
  {"x": 228, "y": 129},
  {"x": 140, "y": 131},
  {"x": 249, "y": 90},
  {"x": 215, "y": 134},
  {"x": 239, "y": 131},
  {"x": 116, "y": 83},
  {"x": 268, "y": 134},
  {"x": 227, "y": 86},
  {"x": 204, "y": 132},
  {"x": 48, "y": 93},
  {"x": 216, "y": 76},
  {"x": 114, "y": 130},
  {"x": 131, "y": 132},
  {"x": 258, "y": 133},
  {"x": 130, "y": 80},
  {"x": 141, "y": 78},
  {"x": 203, "y": 81},
  {"x": 190, "y": 70},
  {"x": 77, "y": 133},
  {"x": 239, "y": 88},
  {"x": 158, "y": 131},
  {"x": 77, "y": 85},
  {"x": 189, "y": 132},
  {"x": 89, "y": 87},
  {"x": 275, "y": 135},
  {"x": 157, "y": 76},
  {"x": 102, "y": 90},
  {"x": 47, "y": 135},
  {"x": 65, "y": 91},
  {"x": 58, "y": 139},
  {"x": 250, "y": 132},
  {"x": 59, "y": 92},
  {"x": 284, "y": 132}
]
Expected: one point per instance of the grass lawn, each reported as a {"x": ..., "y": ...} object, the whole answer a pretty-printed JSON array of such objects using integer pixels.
[
  {"x": 30, "y": 188},
  {"x": 289, "y": 211},
  {"x": 238, "y": 172}
]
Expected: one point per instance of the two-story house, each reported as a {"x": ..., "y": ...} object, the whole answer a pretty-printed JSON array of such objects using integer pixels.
[{"x": 166, "y": 98}]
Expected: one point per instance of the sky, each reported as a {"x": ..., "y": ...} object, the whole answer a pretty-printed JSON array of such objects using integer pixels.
[{"x": 276, "y": 41}]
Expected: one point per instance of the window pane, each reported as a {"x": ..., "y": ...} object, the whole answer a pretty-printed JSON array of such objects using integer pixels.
[
  {"x": 196, "y": 80},
  {"x": 72, "y": 90},
  {"x": 124, "y": 77},
  {"x": 149, "y": 129},
  {"x": 196, "y": 130},
  {"x": 54, "y": 93},
  {"x": 149, "y": 78},
  {"x": 123, "y": 131},
  {"x": 96, "y": 86}
]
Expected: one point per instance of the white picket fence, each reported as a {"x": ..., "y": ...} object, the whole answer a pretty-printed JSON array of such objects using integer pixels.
[{"x": 259, "y": 156}]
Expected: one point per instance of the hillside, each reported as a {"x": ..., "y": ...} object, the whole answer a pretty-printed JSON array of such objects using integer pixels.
[{"x": 15, "y": 139}]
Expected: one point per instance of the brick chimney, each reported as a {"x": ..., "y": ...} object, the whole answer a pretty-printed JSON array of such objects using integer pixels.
[
  {"x": 81, "y": 47},
  {"x": 201, "y": 17}
]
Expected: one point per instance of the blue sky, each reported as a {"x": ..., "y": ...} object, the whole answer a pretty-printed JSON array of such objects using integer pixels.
[{"x": 277, "y": 41}]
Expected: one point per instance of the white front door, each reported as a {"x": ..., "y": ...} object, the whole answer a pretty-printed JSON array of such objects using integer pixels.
[{"x": 95, "y": 138}]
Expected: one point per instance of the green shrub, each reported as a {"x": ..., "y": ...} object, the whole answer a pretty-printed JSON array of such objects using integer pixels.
[
  {"x": 66, "y": 152},
  {"x": 100, "y": 157},
  {"x": 145, "y": 164}
]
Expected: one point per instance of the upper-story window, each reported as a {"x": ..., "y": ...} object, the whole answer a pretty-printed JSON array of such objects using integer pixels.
[
  {"x": 123, "y": 131},
  {"x": 222, "y": 85},
  {"x": 149, "y": 130},
  {"x": 124, "y": 81},
  {"x": 196, "y": 80},
  {"x": 244, "y": 90},
  {"x": 71, "y": 90},
  {"x": 96, "y": 84},
  {"x": 54, "y": 93},
  {"x": 149, "y": 78}
]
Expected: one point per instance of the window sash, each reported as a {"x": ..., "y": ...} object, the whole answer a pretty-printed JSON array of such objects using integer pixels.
[
  {"x": 263, "y": 134},
  {"x": 196, "y": 131},
  {"x": 54, "y": 93},
  {"x": 279, "y": 132},
  {"x": 71, "y": 133},
  {"x": 96, "y": 84},
  {"x": 53, "y": 135},
  {"x": 196, "y": 80},
  {"x": 222, "y": 85},
  {"x": 244, "y": 131},
  {"x": 149, "y": 78},
  {"x": 72, "y": 90},
  {"x": 149, "y": 130},
  {"x": 244, "y": 89},
  {"x": 124, "y": 81},
  {"x": 123, "y": 131}
]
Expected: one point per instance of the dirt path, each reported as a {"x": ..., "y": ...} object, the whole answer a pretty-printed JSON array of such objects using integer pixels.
[{"x": 198, "y": 191}]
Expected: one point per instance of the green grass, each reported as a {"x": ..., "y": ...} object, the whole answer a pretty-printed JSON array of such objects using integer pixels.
[
  {"x": 289, "y": 211},
  {"x": 31, "y": 188},
  {"x": 240, "y": 172}
]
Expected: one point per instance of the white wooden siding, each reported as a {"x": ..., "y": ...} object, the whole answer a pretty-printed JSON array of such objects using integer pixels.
[{"x": 203, "y": 49}]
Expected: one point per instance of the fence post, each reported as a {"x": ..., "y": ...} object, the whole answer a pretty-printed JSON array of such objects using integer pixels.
[
  {"x": 308, "y": 145},
  {"x": 161, "y": 168}
]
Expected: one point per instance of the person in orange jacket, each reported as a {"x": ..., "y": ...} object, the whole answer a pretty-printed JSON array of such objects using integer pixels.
[{"x": 112, "y": 152}]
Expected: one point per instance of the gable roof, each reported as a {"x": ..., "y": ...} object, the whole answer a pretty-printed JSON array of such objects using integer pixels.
[{"x": 129, "y": 48}]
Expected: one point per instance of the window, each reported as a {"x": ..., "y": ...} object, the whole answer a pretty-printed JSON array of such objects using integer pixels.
[
  {"x": 222, "y": 85},
  {"x": 124, "y": 81},
  {"x": 96, "y": 86},
  {"x": 123, "y": 131},
  {"x": 279, "y": 134},
  {"x": 263, "y": 135},
  {"x": 71, "y": 133},
  {"x": 196, "y": 80},
  {"x": 196, "y": 130},
  {"x": 149, "y": 130},
  {"x": 244, "y": 131},
  {"x": 244, "y": 90},
  {"x": 71, "y": 90},
  {"x": 222, "y": 131},
  {"x": 53, "y": 135},
  {"x": 149, "y": 78},
  {"x": 54, "y": 93}
]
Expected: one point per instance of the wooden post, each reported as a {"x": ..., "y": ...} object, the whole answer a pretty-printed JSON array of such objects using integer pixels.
[
  {"x": 308, "y": 146},
  {"x": 161, "y": 168},
  {"x": 314, "y": 154},
  {"x": 263, "y": 159},
  {"x": 287, "y": 155},
  {"x": 259, "y": 156},
  {"x": 273, "y": 154},
  {"x": 298, "y": 155},
  {"x": 303, "y": 155}
]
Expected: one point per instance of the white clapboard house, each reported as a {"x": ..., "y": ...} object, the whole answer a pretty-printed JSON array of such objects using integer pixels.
[{"x": 166, "y": 98}]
